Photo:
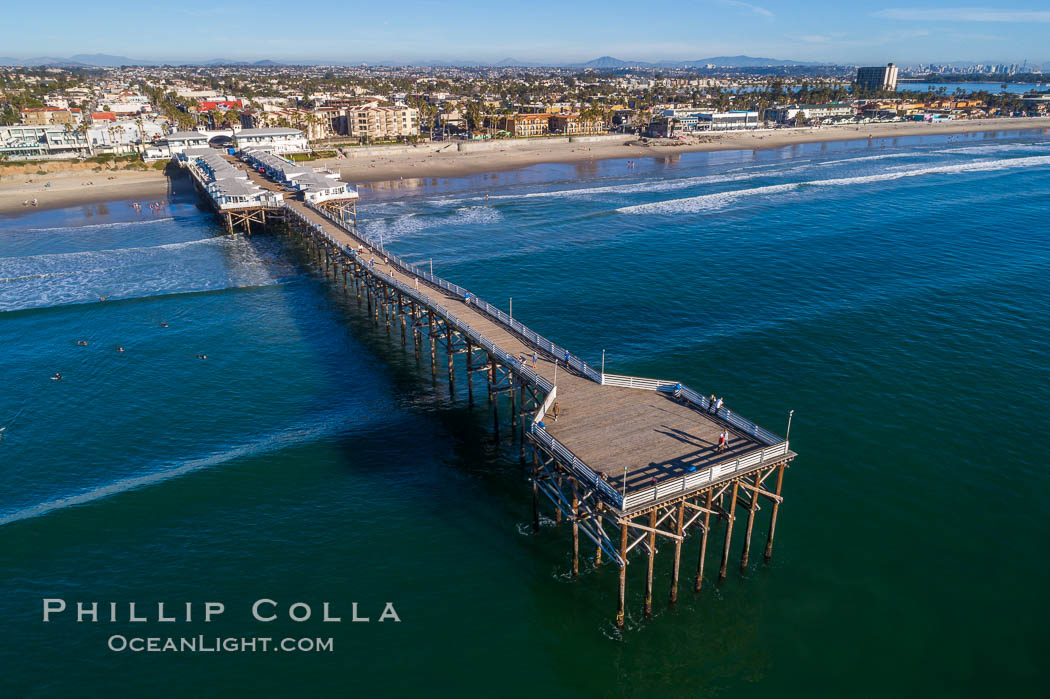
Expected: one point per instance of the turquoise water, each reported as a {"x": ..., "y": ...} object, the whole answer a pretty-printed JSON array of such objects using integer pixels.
[{"x": 893, "y": 293}]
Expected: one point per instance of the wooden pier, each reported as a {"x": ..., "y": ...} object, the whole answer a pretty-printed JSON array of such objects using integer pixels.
[{"x": 625, "y": 461}]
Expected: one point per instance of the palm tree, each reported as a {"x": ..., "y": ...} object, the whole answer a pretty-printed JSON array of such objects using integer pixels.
[{"x": 82, "y": 130}]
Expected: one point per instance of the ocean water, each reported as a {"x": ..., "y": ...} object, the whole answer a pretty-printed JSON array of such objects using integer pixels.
[
  {"x": 950, "y": 88},
  {"x": 893, "y": 293}
]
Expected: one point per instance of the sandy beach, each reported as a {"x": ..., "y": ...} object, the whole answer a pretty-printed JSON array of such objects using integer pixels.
[
  {"x": 452, "y": 163},
  {"x": 75, "y": 188},
  {"x": 79, "y": 187}
]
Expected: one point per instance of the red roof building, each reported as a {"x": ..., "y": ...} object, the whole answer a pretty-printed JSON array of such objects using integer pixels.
[{"x": 229, "y": 104}]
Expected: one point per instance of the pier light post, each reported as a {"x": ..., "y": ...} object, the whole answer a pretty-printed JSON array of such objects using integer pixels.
[
  {"x": 623, "y": 502},
  {"x": 787, "y": 436},
  {"x": 603, "y": 366},
  {"x": 512, "y": 308}
]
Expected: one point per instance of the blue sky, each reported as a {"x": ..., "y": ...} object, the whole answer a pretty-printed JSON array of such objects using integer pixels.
[{"x": 541, "y": 30}]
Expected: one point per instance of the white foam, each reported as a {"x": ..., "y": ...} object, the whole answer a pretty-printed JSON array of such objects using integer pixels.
[
  {"x": 404, "y": 225},
  {"x": 88, "y": 253},
  {"x": 864, "y": 158},
  {"x": 993, "y": 148},
  {"x": 640, "y": 187},
  {"x": 60, "y": 279},
  {"x": 110, "y": 224},
  {"x": 719, "y": 200}
]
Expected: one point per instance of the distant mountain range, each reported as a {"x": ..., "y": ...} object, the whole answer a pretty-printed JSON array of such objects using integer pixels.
[
  {"x": 102, "y": 60},
  {"x": 720, "y": 61}
]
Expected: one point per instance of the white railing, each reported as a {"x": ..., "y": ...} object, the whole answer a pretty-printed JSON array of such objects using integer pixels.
[
  {"x": 744, "y": 425},
  {"x": 706, "y": 477},
  {"x": 634, "y": 382},
  {"x": 567, "y": 458}
]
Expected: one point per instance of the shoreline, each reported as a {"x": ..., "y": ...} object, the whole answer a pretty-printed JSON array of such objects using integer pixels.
[
  {"x": 519, "y": 155},
  {"x": 70, "y": 189}
]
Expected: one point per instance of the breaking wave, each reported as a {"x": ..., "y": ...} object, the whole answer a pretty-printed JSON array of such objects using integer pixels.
[{"x": 718, "y": 200}]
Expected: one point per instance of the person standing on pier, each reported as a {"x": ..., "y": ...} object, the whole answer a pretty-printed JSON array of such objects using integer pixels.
[
  {"x": 535, "y": 358},
  {"x": 711, "y": 403},
  {"x": 718, "y": 406}
]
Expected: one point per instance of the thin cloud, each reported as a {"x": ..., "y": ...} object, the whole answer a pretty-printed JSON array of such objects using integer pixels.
[
  {"x": 962, "y": 14},
  {"x": 748, "y": 6}
]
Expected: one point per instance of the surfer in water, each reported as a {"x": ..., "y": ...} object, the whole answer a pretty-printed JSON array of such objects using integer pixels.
[
  {"x": 56, "y": 377},
  {"x": 82, "y": 343}
]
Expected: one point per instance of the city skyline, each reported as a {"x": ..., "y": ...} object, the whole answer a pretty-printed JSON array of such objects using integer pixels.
[{"x": 547, "y": 33}]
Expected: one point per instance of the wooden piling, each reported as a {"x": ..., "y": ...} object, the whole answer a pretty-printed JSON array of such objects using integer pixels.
[
  {"x": 575, "y": 532},
  {"x": 557, "y": 510},
  {"x": 703, "y": 543},
  {"x": 535, "y": 500},
  {"x": 773, "y": 517},
  {"x": 729, "y": 531},
  {"x": 757, "y": 479},
  {"x": 598, "y": 551},
  {"x": 495, "y": 397},
  {"x": 677, "y": 552},
  {"x": 623, "y": 574},
  {"x": 521, "y": 423},
  {"x": 433, "y": 346},
  {"x": 470, "y": 374},
  {"x": 451, "y": 364},
  {"x": 652, "y": 561}
]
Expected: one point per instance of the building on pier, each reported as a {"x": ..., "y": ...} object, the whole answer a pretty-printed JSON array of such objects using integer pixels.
[
  {"x": 238, "y": 200},
  {"x": 180, "y": 141},
  {"x": 274, "y": 140},
  {"x": 320, "y": 186}
]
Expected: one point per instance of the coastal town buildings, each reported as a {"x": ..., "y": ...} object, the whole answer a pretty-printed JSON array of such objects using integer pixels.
[
  {"x": 573, "y": 124},
  {"x": 30, "y": 142},
  {"x": 690, "y": 120},
  {"x": 45, "y": 116},
  {"x": 375, "y": 123},
  {"x": 810, "y": 112},
  {"x": 524, "y": 125}
]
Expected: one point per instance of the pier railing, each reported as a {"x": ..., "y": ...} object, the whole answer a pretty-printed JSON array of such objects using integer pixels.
[
  {"x": 557, "y": 351},
  {"x": 708, "y": 476},
  {"x": 698, "y": 399}
]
